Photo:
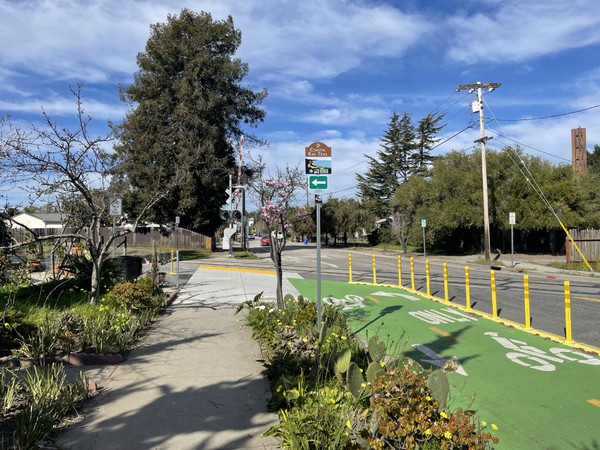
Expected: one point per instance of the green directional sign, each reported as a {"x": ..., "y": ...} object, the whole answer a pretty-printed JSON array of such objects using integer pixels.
[{"x": 317, "y": 182}]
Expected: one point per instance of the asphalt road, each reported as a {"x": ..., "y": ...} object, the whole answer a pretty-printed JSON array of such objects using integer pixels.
[{"x": 547, "y": 310}]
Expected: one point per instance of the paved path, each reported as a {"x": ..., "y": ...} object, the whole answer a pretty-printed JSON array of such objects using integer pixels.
[{"x": 195, "y": 382}]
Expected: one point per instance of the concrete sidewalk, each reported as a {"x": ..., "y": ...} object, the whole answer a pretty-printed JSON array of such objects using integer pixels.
[{"x": 196, "y": 380}]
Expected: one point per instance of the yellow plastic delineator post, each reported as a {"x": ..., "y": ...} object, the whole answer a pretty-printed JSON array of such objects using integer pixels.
[
  {"x": 568, "y": 329},
  {"x": 493, "y": 287},
  {"x": 526, "y": 300},
  {"x": 446, "y": 295},
  {"x": 467, "y": 288},
  {"x": 172, "y": 270},
  {"x": 412, "y": 274},
  {"x": 349, "y": 267},
  {"x": 427, "y": 278},
  {"x": 399, "y": 271}
]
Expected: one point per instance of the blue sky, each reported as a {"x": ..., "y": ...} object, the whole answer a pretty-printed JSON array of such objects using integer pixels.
[{"x": 335, "y": 70}]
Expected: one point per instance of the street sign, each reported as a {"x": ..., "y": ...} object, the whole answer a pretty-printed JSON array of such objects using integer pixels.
[
  {"x": 116, "y": 207},
  {"x": 318, "y": 159},
  {"x": 512, "y": 218},
  {"x": 317, "y": 182},
  {"x": 423, "y": 223},
  {"x": 318, "y": 200}
]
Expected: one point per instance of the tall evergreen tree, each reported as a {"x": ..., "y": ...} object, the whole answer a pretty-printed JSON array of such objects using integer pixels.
[
  {"x": 393, "y": 165},
  {"x": 189, "y": 107},
  {"x": 593, "y": 160},
  {"x": 427, "y": 131}
]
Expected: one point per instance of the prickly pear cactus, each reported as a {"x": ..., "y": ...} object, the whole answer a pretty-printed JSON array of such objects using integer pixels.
[
  {"x": 355, "y": 380},
  {"x": 410, "y": 364},
  {"x": 288, "y": 298},
  {"x": 437, "y": 382},
  {"x": 341, "y": 364},
  {"x": 374, "y": 370},
  {"x": 376, "y": 349}
]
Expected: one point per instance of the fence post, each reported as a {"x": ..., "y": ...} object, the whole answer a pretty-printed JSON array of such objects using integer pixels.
[
  {"x": 568, "y": 329},
  {"x": 493, "y": 287},
  {"x": 526, "y": 300},
  {"x": 467, "y": 288},
  {"x": 427, "y": 279},
  {"x": 446, "y": 295}
]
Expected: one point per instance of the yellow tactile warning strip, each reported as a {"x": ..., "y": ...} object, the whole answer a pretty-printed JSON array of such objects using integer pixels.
[
  {"x": 239, "y": 269},
  {"x": 595, "y": 402}
]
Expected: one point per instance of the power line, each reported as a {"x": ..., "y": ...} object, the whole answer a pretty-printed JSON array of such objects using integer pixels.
[{"x": 548, "y": 117}]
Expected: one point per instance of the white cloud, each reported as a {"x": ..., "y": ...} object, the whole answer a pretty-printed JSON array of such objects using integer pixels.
[{"x": 517, "y": 30}]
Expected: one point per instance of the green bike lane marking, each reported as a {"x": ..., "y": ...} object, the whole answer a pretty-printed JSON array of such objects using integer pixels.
[{"x": 540, "y": 394}]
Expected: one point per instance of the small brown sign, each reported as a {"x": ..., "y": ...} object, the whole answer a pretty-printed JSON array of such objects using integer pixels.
[{"x": 318, "y": 150}]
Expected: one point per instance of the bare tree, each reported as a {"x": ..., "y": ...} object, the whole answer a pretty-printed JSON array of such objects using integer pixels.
[{"x": 73, "y": 167}]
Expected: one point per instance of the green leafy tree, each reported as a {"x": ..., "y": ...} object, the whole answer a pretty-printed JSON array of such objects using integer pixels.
[
  {"x": 593, "y": 160},
  {"x": 189, "y": 107}
]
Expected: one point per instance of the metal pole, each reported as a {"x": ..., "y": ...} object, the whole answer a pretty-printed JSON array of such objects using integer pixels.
[
  {"x": 230, "y": 252},
  {"x": 424, "y": 253},
  {"x": 318, "y": 205},
  {"x": 113, "y": 233},
  {"x": 177, "y": 253},
  {"x": 512, "y": 247}
]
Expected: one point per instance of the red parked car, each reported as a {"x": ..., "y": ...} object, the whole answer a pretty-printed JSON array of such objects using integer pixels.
[{"x": 264, "y": 241}]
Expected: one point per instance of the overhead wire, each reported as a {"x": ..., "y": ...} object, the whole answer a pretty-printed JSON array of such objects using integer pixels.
[
  {"x": 538, "y": 190},
  {"x": 525, "y": 119}
]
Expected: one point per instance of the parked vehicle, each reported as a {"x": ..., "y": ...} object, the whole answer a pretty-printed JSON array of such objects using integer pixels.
[{"x": 264, "y": 241}]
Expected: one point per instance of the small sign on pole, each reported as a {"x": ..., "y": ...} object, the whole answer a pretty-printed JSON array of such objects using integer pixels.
[
  {"x": 423, "y": 225},
  {"x": 116, "y": 207},
  {"x": 512, "y": 218}
]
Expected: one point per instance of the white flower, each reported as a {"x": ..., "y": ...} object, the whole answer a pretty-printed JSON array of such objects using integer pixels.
[
  {"x": 271, "y": 310},
  {"x": 262, "y": 307}
]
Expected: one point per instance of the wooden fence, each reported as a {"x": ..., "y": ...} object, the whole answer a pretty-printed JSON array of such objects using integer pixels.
[
  {"x": 588, "y": 242},
  {"x": 143, "y": 237}
]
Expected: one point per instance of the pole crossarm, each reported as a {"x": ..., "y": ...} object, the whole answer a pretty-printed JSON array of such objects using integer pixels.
[{"x": 471, "y": 87}]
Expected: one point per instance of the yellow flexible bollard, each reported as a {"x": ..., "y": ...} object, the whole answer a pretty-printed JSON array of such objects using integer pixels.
[
  {"x": 446, "y": 295},
  {"x": 568, "y": 329},
  {"x": 427, "y": 279},
  {"x": 399, "y": 271},
  {"x": 374, "y": 270},
  {"x": 467, "y": 288},
  {"x": 412, "y": 274},
  {"x": 172, "y": 271},
  {"x": 349, "y": 267},
  {"x": 493, "y": 286},
  {"x": 526, "y": 300}
]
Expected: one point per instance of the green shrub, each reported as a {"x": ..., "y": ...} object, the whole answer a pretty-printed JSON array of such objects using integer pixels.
[
  {"x": 134, "y": 296},
  {"x": 404, "y": 414}
]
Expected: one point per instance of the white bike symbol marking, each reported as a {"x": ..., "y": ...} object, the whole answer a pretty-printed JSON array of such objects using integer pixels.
[
  {"x": 348, "y": 302},
  {"x": 529, "y": 356}
]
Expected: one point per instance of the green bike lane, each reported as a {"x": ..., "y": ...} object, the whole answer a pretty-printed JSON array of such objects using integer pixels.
[{"x": 539, "y": 393}]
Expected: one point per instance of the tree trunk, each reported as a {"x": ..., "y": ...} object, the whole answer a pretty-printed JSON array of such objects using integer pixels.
[{"x": 96, "y": 281}]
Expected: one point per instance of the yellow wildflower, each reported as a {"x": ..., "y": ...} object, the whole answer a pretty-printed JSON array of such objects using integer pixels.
[
  {"x": 448, "y": 435},
  {"x": 348, "y": 423},
  {"x": 494, "y": 427},
  {"x": 428, "y": 432},
  {"x": 444, "y": 415},
  {"x": 483, "y": 423}
]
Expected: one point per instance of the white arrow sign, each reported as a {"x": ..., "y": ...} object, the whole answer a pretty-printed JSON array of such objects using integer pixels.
[{"x": 439, "y": 360}]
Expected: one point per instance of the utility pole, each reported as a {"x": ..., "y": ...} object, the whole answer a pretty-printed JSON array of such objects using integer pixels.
[{"x": 483, "y": 139}]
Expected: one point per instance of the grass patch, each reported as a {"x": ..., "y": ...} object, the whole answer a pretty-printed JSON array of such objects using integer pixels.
[
  {"x": 245, "y": 254},
  {"x": 574, "y": 266}
]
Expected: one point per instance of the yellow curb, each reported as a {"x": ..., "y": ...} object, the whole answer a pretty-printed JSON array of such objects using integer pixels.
[{"x": 239, "y": 269}]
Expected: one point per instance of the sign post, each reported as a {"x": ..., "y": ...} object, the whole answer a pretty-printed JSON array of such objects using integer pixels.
[
  {"x": 512, "y": 219},
  {"x": 177, "y": 249},
  {"x": 423, "y": 225},
  {"x": 318, "y": 167},
  {"x": 116, "y": 208}
]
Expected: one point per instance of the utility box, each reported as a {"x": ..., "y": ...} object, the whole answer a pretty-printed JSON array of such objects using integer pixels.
[{"x": 128, "y": 267}]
